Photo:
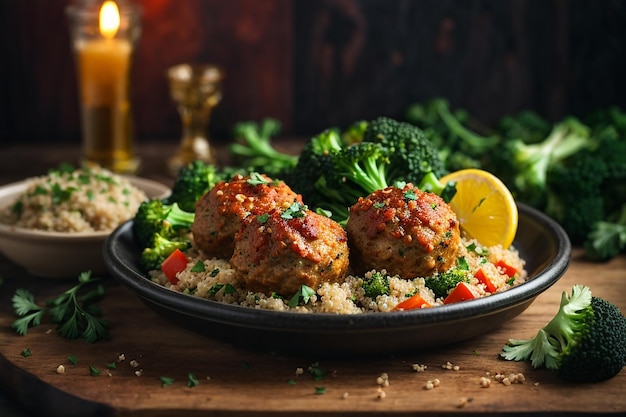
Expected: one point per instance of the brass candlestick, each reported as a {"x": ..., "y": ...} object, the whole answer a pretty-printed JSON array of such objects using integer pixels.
[{"x": 196, "y": 89}]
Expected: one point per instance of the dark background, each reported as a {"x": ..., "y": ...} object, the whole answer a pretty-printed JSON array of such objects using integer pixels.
[{"x": 317, "y": 63}]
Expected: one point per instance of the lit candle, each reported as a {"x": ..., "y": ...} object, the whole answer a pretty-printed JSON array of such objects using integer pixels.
[
  {"x": 104, "y": 64},
  {"x": 103, "y": 41}
]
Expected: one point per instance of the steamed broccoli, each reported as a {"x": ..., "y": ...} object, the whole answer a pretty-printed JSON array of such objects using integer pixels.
[
  {"x": 157, "y": 217},
  {"x": 160, "y": 248},
  {"x": 607, "y": 238},
  {"x": 526, "y": 125},
  {"x": 193, "y": 181},
  {"x": 377, "y": 284},
  {"x": 253, "y": 148},
  {"x": 354, "y": 133},
  {"x": 443, "y": 282},
  {"x": 411, "y": 154},
  {"x": 332, "y": 174},
  {"x": 458, "y": 146},
  {"x": 524, "y": 167},
  {"x": 589, "y": 187},
  {"x": 160, "y": 228},
  {"x": 584, "y": 342},
  {"x": 314, "y": 160}
]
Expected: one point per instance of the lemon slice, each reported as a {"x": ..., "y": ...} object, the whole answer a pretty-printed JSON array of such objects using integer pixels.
[{"x": 484, "y": 206}]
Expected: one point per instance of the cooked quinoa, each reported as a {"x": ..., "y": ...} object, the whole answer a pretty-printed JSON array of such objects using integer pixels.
[
  {"x": 217, "y": 281},
  {"x": 74, "y": 200}
]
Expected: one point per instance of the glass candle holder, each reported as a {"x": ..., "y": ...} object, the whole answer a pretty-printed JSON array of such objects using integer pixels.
[
  {"x": 196, "y": 89},
  {"x": 104, "y": 35}
]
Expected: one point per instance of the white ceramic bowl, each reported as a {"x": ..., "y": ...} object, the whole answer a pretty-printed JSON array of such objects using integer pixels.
[{"x": 57, "y": 254}]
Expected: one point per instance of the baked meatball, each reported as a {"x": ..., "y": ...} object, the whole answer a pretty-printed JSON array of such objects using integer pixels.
[
  {"x": 406, "y": 231},
  {"x": 282, "y": 250},
  {"x": 219, "y": 212}
]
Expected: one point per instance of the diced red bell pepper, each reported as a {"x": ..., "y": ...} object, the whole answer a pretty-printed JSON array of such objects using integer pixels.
[
  {"x": 508, "y": 269},
  {"x": 461, "y": 292},
  {"x": 484, "y": 279},
  {"x": 413, "y": 302},
  {"x": 173, "y": 264}
]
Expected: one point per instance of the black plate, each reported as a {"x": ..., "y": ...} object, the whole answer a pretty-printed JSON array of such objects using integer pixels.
[{"x": 541, "y": 242}]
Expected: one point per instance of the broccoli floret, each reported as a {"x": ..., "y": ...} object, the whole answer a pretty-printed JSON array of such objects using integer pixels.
[
  {"x": 155, "y": 217},
  {"x": 314, "y": 160},
  {"x": 354, "y": 133},
  {"x": 442, "y": 283},
  {"x": 193, "y": 181},
  {"x": 332, "y": 175},
  {"x": 607, "y": 238},
  {"x": 377, "y": 284},
  {"x": 159, "y": 249},
  {"x": 253, "y": 148},
  {"x": 584, "y": 342},
  {"x": 411, "y": 154},
  {"x": 356, "y": 171},
  {"x": 458, "y": 146},
  {"x": 524, "y": 167},
  {"x": 527, "y": 126},
  {"x": 588, "y": 187}
]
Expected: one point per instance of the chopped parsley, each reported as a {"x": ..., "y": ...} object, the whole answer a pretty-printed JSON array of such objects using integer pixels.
[
  {"x": 192, "y": 381},
  {"x": 303, "y": 295},
  {"x": 257, "y": 179},
  {"x": 198, "y": 267},
  {"x": 295, "y": 210},
  {"x": 93, "y": 371},
  {"x": 26, "y": 353},
  {"x": 410, "y": 195},
  {"x": 166, "y": 381}
]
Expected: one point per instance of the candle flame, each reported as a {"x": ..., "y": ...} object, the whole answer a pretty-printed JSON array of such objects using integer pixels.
[{"x": 109, "y": 19}]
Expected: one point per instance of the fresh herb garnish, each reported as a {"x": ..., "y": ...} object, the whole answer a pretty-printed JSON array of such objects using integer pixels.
[
  {"x": 257, "y": 179},
  {"x": 316, "y": 372},
  {"x": 166, "y": 380},
  {"x": 294, "y": 211},
  {"x": 304, "y": 294},
  {"x": 461, "y": 263},
  {"x": 192, "y": 381},
  {"x": 93, "y": 371},
  {"x": 228, "y": 289},
  {"x": 26, "y": 353},
  {"x": 76, "y": 316},
  {"x": 198, "y": 267},
  {"x": 473, "y": 247},
  {"x": 263, "y": 218},
  {"x": 410, "y": 195},
  {"x": 72, "y": 359}
]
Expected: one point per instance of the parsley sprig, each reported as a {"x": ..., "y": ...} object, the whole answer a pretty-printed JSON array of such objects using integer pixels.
[{"x": 77, "y": 316}]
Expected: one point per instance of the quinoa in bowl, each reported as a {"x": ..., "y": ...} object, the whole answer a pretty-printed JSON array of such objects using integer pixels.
[
  {"x": 74, "y": 201},
  {"x": 54, "y": 226}
]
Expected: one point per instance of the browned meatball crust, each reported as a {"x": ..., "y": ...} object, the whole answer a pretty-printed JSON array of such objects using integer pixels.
[
  {"x": 406, "y": 231},
  {"x": 278, "y": 253},
  {"x": 219, "y": 212}
]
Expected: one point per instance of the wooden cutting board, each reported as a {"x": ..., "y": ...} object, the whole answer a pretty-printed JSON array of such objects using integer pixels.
[{"x": 239, "y": 381}]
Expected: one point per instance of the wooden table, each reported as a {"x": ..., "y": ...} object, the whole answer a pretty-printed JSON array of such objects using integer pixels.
[{"x": 236, "y": 381}]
